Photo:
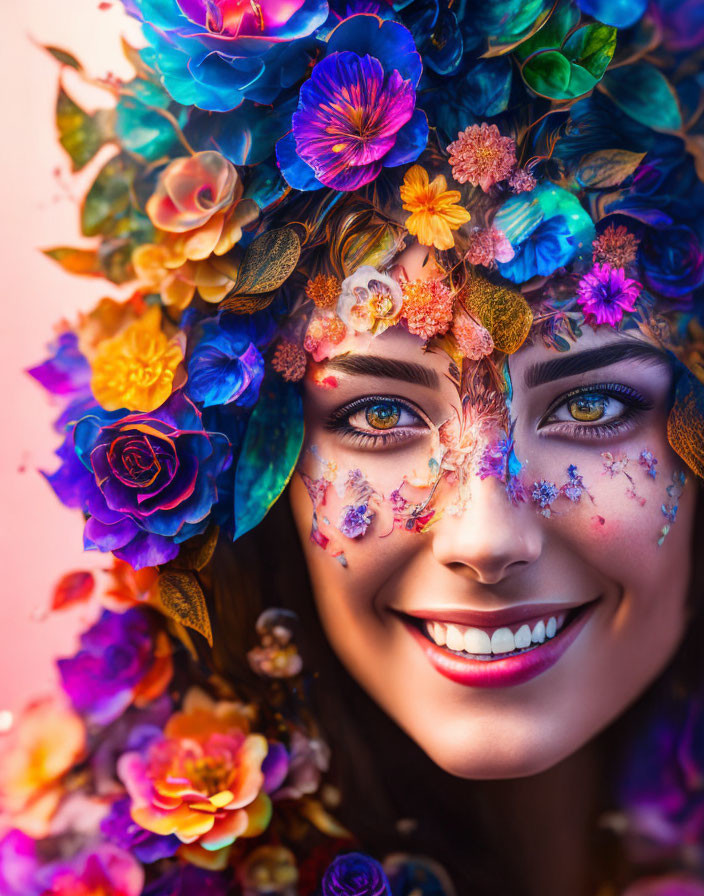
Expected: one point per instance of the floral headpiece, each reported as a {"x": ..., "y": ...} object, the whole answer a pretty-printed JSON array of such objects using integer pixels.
[{"x": 547, "y": 154}]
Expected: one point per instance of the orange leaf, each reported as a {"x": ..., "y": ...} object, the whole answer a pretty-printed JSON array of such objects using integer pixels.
[{"x": 73, "y": 588}]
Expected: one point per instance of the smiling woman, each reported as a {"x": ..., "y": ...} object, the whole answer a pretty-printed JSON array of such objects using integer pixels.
[{"x": 397, "y": 445}]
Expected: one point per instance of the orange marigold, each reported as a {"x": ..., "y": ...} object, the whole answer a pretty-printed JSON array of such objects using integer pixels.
[
  {"x": 435, "y": 210},
  {"x": 324, "y": 290}
]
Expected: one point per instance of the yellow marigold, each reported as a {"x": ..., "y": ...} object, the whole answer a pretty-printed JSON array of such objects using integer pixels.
[
  {"x": 435, "y": 210},
  {"x": 136, "y": 369}
]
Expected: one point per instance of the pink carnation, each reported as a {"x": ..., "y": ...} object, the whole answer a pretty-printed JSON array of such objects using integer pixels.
[
  {"x": 605, "y": 293},
  {"x": 616, "y": 246},
  {"x": 481, "y": 156},
  {"x": 486, "y": 247},
  {"x": 521, "y": 181}
]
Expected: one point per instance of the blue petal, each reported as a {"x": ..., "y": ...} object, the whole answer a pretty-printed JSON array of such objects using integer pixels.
[
  {"x": 619, "y": 13},
  {"x": 391, "y": 43},
  {"x": 297, "y": 173},
  {"x": 411, "y": 140}
]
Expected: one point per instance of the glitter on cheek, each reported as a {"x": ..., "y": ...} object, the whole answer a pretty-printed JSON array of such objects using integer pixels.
[{"x": 671, "y": 505}]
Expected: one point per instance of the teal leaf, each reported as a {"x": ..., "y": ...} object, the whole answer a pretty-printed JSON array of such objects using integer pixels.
[
  {"x": 270, "y": 451},
  {"x": 141, "y": 125},
  {"x": 592, "y": 47},
  {"x": 644, "y": 93}
]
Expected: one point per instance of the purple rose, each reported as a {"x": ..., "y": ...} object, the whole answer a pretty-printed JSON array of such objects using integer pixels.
[
  {"x": 147, "y": 481},
  {"x": 118, "y": 664},
  {"x": 355, "y": 874},
  {"x": 673, "y": 262}
]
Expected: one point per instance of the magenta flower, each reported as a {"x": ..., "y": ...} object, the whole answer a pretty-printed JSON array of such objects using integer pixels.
[{"x": 605, "y": 293}]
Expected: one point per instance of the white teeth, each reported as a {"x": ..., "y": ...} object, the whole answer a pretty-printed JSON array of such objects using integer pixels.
[
  {"x": 502, "y": 641},
  {"x": 476, "y": 640},
  {"x": 538, "y": 634},
  {"x": 455, "y": 638},
  {"x": 522, "y": 636}
]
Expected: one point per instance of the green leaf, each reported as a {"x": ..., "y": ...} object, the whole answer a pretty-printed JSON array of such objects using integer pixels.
[
  {"x": 644, "y": 93},
  {"x": 76, "y": 261},
  {"x": 553, "y": 32},
  {"x": 64, "y": 58},
  {"x": 270, "y": 451},
  {"x": 109, "y": 197},
  {"x": 592, "y": 47},
  {"x": 80, "y": 133},
  {"x": 607, "y": 167},
  {"x": 548, "y": 73}
]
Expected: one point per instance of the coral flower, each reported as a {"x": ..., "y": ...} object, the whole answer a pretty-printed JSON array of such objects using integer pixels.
[
  {"x": 136, "y": 369},
  {"x": 435, "y": 210},
  {"x": 605, "y": 293},
  {"x": 202, "y": 780},
  {"x": 427, "y": 307},
  {"x": 615, "y": 246},
  {"x": 481, "y": 156},
  {"x": 47, "y": 740},
  {"x": 486, "y": 247}
]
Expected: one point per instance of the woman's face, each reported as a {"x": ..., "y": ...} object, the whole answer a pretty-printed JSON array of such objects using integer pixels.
[{"x": 502, "y": 601}]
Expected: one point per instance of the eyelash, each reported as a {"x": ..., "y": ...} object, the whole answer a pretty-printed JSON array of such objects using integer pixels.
[
  {"x": 634, "y": 402},
  {"x": 338, "y": 422}
]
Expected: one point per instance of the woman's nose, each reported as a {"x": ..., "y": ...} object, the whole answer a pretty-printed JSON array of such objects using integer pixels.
[{"x": 490, "y": 538}]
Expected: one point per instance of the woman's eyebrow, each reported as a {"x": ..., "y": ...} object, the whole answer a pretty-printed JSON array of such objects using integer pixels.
[
  {"x": 591, "y": 359},
  {"x": 374, "y": 365}
]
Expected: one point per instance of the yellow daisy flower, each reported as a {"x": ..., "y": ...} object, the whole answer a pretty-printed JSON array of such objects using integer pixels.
[{"x": 434, "y": 209}]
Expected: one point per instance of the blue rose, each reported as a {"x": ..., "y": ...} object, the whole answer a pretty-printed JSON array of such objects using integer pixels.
[{"x": 353, "y": 874}]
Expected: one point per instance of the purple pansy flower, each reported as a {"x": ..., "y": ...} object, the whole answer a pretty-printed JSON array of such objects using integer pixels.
[
  {"x": 116, "y": 661},
  {"x": 605, "y": 293},
  {"x": 354, "y": 873},
  {"x": 147, "y": 481},
  {"x": 356, "y": 114}
]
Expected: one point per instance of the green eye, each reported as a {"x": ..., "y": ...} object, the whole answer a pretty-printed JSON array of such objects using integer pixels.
[
  {"x": 588, "y": 407},
  {"x": 383, "y": 415}
]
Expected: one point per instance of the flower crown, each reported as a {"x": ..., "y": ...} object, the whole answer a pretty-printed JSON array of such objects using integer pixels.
[{"x": 271, "y": 162}]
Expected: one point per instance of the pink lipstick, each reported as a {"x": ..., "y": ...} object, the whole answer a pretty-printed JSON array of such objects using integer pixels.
[{"x": 500, "y": 671}]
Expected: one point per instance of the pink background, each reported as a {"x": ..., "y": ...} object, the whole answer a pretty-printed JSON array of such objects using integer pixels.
[{"x": 39, "y": 539}]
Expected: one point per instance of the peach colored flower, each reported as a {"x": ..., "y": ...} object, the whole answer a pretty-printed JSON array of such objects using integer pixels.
[
  {"x": 435, "y": 210},
  {"x": 486, "y": 247},
  {"x": 202, "y": 779},
  {"x": 473, "y": 339},
  {"x": 615, "y": 246},
  {"x": 481, "y": 156},
  {"x": 160, "y": 269},
  {"x": 427, "y": 307},
  {"x": 136, "y": 369},
  {"x": 323, "y": 290},
  {"x": 129, "y": 586},
  {"x": 290, "y": 361},
  {"x": 46, "y": 741},
  {"x": 199, "y": 198}
]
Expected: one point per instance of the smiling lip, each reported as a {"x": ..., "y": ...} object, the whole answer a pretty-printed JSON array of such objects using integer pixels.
[{"x": 511, "y": 670}]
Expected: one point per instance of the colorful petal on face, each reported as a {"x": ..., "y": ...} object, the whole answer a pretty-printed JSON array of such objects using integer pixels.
[{"x": 349, "y": 116}]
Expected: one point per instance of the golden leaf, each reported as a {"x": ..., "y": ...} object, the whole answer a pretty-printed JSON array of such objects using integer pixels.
[
  {"x": 685, "y": 428},
  {"x": 197, "y": 552},
  {"x": 183, "y": 600},
  {"x": 503, "y": 311},
  {"x": 246, "y": 304},
  {"x": 268, "y": 261}
]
